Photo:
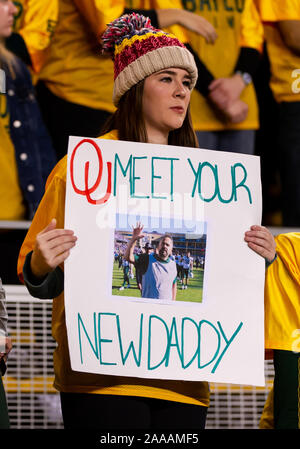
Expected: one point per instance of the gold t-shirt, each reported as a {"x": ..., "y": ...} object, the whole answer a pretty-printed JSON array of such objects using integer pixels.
[
  {"x": 237, "y": 25},
  {"x": 285, "y": 65},
  {"x": 35, "y": 20}
]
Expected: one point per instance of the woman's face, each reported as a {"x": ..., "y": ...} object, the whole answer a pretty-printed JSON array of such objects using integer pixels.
[
  {"x": 166, "y": 97},
  {"x": 7, "y": 12}
]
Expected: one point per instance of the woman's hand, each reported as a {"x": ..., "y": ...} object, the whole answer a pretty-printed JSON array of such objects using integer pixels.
[
  {"x": 52, "y": 247},
  {"x": 261, "y": 241}
]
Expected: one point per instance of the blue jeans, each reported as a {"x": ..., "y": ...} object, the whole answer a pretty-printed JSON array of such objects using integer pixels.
[{"x": 236, "y": 141}]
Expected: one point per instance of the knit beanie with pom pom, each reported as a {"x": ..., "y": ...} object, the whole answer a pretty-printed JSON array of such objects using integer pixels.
[{"x": 139, "y": 50}]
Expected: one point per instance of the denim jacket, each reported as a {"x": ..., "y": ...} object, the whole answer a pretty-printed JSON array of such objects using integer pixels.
[{"x": 34, "y": 152}]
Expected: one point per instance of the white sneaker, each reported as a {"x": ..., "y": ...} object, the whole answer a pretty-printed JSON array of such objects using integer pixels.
[
  {"x": 182, "y": 288},
  {"x": 185, "y": 287},
  {"x": 121, "y": 288}
]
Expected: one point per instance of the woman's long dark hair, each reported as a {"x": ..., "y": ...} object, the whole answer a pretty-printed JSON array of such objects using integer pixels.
[{"x": 128, "y": 120}]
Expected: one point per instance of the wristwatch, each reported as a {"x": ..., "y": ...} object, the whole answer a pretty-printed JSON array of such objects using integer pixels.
[{"x": 247, "y": 78}]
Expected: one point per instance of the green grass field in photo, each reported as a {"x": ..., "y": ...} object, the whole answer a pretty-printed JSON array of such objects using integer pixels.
[{"x": 192, "y": 294}]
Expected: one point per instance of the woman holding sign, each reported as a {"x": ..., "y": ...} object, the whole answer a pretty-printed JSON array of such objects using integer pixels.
[{"x": 154, "y": 77}]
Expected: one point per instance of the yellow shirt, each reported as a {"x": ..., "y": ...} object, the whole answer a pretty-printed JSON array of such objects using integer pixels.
[
  {"x": 283, "y": 61},
  {"x": 11, "y": 198},
  {"x": 53, "y": 205},
  {"x": 282, "y": 295},
  {"x": 177, "y": 30},
  {"x": 36, "y": 21},
  {"x": 74, "y": 69},
  {"x": 235, "y": 27}
]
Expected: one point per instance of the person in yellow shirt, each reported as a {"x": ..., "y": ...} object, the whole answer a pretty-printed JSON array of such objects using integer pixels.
[
  {"x": 34, "y": 26},
  {"x": 225, "y": 111},
  {"x": 282, "y": 334},
  {"x": 281, "y": 22},
  {"x": 144, "y": 96},
  {"x": 26, "y": 152}
]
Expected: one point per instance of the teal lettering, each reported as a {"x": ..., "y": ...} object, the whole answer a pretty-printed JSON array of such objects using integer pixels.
[
  {"x": 149, "y": 341},
  {"x": 153, "y": 176},
  {"x": 173, "y": 330},
  {"x": 196, "y": 336},
  {"x": 95, "y": 346},
  {"x": 124, "y": 172},
  {"x": 103, "y": 340},
  {"x": 219, "y": 341},
  {"x": 198, "y": 180},
  {"x": 197, "y": 351},
  {"x": 131, "y": 345},
  {"x": 213, "y": 169},
  {"x": 136, "y": 177},
  {"x": 228, "y": 343},
  {"x": 242, "y": 183}
]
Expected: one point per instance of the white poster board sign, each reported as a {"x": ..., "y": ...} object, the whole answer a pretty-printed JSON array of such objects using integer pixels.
[{"x": 206, "y": 200}]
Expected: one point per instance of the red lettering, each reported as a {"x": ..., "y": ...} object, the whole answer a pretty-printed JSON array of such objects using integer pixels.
[{"x": 88, "y": 190}]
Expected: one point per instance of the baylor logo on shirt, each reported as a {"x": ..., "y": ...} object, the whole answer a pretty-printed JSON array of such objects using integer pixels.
[{"x": 214, "y": 5}]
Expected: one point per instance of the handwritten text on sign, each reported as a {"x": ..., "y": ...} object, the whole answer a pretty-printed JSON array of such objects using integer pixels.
[{"x": 218, "y": 338}]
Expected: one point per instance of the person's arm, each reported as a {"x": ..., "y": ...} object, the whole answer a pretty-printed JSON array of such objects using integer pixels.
[
  {"x": 137, "y": 234},
  {"x": 98, "y": 14},
  {"x": 174, "y": 290},
  {"x": 49, "y": 286},
  {"x": 260, "y": 240},
  {"x": 290, "y": 33},
  {"x": 189, "y": 20},
  {"x": 224, "y": 92}
]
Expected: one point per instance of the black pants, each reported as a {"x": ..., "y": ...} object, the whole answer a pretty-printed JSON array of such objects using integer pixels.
[
  {"x": 63, "y": 119},
  {"x": 286, "y": 390},
  {"x": 97, "y": 411}
]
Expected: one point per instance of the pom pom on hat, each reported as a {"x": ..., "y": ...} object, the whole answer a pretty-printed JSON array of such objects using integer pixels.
[
  {"x": 126, "y": 26},
  {"x": 139, "y": 50}
]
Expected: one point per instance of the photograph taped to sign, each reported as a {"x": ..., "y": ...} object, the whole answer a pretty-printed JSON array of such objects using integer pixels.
[
  {"x": 182, "y": 269},
  {"x": 111, "y": 187}
]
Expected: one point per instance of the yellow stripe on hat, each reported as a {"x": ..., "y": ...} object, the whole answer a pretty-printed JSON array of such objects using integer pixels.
[{"x": 128, "y": 42}]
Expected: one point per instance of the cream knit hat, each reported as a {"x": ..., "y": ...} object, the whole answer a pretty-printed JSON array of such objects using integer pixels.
[{"x": 138, "y": 50}]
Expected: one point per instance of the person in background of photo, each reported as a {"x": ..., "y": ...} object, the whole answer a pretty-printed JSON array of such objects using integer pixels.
[
  {"x": 152, "y": 92},
  {"x": 126, "y": 273},
  {"x": 158, "y": 270},
  {"x": 186, "y": 266}
]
